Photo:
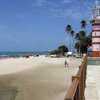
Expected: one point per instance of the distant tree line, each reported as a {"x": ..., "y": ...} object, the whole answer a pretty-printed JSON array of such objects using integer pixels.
[{"x": 60, "y": 50}]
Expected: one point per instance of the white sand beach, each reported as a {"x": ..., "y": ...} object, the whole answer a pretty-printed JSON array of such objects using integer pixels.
[{"x": 36, "y": 78}]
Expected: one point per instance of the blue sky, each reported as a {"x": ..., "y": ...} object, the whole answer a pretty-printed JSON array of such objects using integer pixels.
[{"x": 39, "y": 25}]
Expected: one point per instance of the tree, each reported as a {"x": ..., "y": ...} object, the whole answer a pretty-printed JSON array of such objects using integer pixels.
[
  {"x": 73, "y": 42},
  {"x": 56, "y": 51},
  {"x": 70, "y": 32},
  {"x": 82, "y": 43},
  {"x": 63, "y": 48},
  {"x": 68, "y": 28},
  {"x": 83, "y": 24},
  {"x": 60, "y": 50},
  {"x": 89, "y": 40},
  {"x": 80, "y": 35},
  {"x": 77, "y": 46},
  {"x": 82, "y": 39}
]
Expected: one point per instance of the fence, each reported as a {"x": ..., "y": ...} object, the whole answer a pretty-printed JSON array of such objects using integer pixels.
[{"x": 77, "y": 88}]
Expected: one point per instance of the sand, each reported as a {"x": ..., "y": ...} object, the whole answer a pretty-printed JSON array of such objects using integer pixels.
[{"x": 36, "y": 78}]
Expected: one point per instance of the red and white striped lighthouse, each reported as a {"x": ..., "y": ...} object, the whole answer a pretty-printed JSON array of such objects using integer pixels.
[{"x": 95, "y": 20}]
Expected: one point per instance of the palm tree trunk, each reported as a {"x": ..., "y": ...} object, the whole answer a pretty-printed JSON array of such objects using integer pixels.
[
  {"x": 73, "y": 44},
  {"x": 69, "y": 43}
]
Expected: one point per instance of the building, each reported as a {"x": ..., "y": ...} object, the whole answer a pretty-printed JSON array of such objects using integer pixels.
[{"x": 95, "y": 21}]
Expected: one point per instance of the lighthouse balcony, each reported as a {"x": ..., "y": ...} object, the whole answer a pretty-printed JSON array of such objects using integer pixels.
[{"x": 97, "y": 17}]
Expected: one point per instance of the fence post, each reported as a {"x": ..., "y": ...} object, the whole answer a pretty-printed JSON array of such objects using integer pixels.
[
  {"x": 76, "y": 91},
  {"x": 76, "y": 97}
]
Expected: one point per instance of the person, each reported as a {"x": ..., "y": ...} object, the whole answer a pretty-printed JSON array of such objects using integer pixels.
[{"x": 66, "y": 63}]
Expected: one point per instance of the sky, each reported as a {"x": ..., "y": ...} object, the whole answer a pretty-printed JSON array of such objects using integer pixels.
[{"x": 39, "y": 25}]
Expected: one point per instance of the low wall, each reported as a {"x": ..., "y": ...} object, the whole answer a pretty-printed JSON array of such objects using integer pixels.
[{"x": 93, "y": 60}]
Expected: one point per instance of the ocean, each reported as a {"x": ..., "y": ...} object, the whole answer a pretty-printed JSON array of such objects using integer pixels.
[{"x": 17, "y": 54}]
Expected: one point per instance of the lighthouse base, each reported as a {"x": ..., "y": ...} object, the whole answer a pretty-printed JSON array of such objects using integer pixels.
[
  {"x": 93, "y": 60},
  {"x": 95, "y": 53}
]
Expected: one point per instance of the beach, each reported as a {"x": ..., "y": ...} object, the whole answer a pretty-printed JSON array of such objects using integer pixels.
[{"x": 36, "y": 78}]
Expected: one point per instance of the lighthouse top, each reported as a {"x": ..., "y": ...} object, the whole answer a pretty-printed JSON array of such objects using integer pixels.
[
  {"x": 97, "y": 4},
  {"x": 96, "y": 11}
]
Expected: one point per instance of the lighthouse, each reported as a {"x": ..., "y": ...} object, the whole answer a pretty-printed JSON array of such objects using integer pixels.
[{"x": 95, "y": 21}]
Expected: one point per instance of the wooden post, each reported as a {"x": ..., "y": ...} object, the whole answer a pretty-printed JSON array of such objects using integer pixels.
[
  {"x": 76, "y": 97},
  {"x": 77, "y": 88}
]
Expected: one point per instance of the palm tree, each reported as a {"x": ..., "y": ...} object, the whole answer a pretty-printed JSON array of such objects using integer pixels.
[
  {"x": 77, "y": 46},
  {"x": 68, "y": 28},
  {"x": 83, "y": 42},
  {"x": 73, "y": 42},
  {"x": 80, "y": 35},
  {"x": 70, "y": 32},
  {"x": 80, "y": 41},
  {"x": 83, "y": 24}
]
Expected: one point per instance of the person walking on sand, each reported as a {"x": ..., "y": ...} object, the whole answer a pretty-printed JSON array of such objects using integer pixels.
[{"x": 66, "y": 63}]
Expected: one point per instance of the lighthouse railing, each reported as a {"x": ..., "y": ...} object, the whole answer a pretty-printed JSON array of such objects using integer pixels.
[{"x": 77, "y": 88}]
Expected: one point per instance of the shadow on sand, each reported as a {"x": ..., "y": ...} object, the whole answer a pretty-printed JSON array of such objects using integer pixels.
[{"x": 7, "y": 92}]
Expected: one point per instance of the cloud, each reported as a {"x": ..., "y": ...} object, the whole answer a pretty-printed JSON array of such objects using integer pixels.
[
  {"x": 65, "y": 8},
  {"x": 77, "y": 11},
  {"x": 66, "y": 1},
  {"x": 71, "y": 13},
  {"x": 54, "y": 12},
  {"x": 39, "y": 3},
  {"x": 55, "y": 5}
]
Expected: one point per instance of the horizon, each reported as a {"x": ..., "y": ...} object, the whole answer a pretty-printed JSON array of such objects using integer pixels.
[
  {"x": 39, "y": 25},
  {"x": 23, "y": 51}
]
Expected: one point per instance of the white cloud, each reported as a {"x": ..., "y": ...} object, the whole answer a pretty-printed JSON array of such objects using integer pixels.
[
  {"x": 74, "y": 9},
  {"x": 39, "y": 3},
  {"x": 55, "y": 5},
  {"x": 66, "y": 1},
  {"x": 54, "y": 12},
  {"x": 71, "y": 12},
  {"x": 77, "y": 11}
]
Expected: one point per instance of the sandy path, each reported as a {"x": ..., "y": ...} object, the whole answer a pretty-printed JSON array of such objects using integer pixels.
[{"x": 44, "y": 79}]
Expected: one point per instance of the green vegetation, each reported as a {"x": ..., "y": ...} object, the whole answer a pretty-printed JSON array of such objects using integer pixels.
[
  {"x": 70, "y": 33},
  {"x": 60, "y": 50},
  {"x": 79, "y": 41},
  {"x": 82, "y": 39}
]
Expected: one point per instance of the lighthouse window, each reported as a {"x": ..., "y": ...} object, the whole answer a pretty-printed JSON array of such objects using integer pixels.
[
  {"x": 96, "y": 12},
  {"x": 95, "y": 34}
]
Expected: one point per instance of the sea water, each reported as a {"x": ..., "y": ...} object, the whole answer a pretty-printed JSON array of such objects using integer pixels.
[{"x": 16, "y": 54}]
